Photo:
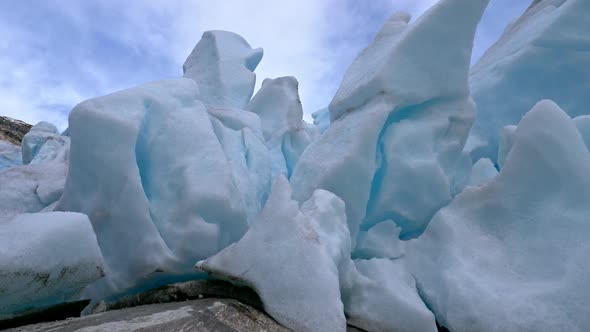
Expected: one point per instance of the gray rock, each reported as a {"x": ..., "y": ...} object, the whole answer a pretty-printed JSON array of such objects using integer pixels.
[
  {"x": 190, "y": 290},
  {"x": 206, "y": 315},
  {"x": 200, "y": 305}
]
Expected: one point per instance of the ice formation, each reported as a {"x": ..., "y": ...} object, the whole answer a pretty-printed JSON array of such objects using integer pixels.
[
  {"x": 34, "y": 187},
  {"x": 223, "y": 66},
  {"x": 392, "y": 149},
  {"x": 303, "y": 294},
  {"x": 157, "y": 205},
  {"x": 419, "y": 195},
  {"x": 278, "y": 105},
  {"x": 10, "y": 155},
  {"x": 36, "y": 138},
  {"x": 542, "y": 55},
  {"x": 509, "y": 255},
  {"x": 46, "y": 258}
]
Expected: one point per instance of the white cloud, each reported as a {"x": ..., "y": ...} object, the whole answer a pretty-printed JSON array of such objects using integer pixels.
[{"x": 81, "y": 49}]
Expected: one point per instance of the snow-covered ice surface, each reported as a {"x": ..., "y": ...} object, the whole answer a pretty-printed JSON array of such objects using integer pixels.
[
  {"x": 542, "y": 55},
  {"x": 45, "y": 259},
  {"x": 510, "y": 255}
]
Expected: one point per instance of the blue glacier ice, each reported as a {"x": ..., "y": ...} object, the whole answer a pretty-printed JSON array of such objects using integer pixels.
[
  {"x": 36, "y": 138},
  {"x": 399, "y": 122},
  {"x": 428, "y": 128},
  {"x": 542, "y": 55},
  {"x": 426, "y": 192},
  {"x": 46, "y": 259},
  {"x": 37, "y": 186},
  {"x": 10, "y": 155},
  {"x": 156, "y": 203},
  {"x": 380, "y": 241},
  {"x": 509, "y": 255},
  {"x": 302, "y": 294},
  {"x": 278, "y": 105}
]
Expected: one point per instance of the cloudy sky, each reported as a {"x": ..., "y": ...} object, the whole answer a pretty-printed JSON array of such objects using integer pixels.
[{"x": 54, "y": 54}]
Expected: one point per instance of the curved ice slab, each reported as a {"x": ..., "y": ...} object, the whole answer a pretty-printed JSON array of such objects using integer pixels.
[{"x": 148, "y": 168}]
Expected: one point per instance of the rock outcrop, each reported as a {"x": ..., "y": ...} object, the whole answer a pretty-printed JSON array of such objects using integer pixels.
[{"x": 12, "y": 130}]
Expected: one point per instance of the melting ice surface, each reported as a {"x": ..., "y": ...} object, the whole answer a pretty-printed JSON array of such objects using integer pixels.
[{"x": 427, "y": 191}]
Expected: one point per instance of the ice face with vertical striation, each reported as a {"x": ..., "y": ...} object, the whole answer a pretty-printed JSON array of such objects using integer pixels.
[
  {"x": 399, "y": 122},
  {"x": 542, "y": 55},
  {"x": 159, "y": 189}
]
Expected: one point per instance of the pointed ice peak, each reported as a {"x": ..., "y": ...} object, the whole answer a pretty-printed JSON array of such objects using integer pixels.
[
  {"x": 278, "y": 105},
  {"x": 222, "y": 64},
  {"x": 413, "y": 63}
]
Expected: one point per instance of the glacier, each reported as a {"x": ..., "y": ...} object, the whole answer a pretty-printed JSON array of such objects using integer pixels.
[
  {"x": 429, "y": 192},
  {"x": 542, "y": 55},
  {"x": 510, "y": 252},
  {"x": 10, "y": 155},
  {"x": 46, "y": 258}
]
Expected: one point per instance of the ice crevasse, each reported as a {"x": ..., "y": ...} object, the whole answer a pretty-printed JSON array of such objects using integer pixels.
[{"x": 427, "y": 192}]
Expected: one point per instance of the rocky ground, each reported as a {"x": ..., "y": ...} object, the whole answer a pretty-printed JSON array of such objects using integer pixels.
[
  {"x": 223, "y": 315},
  {"x": 200, "y": 306}
]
